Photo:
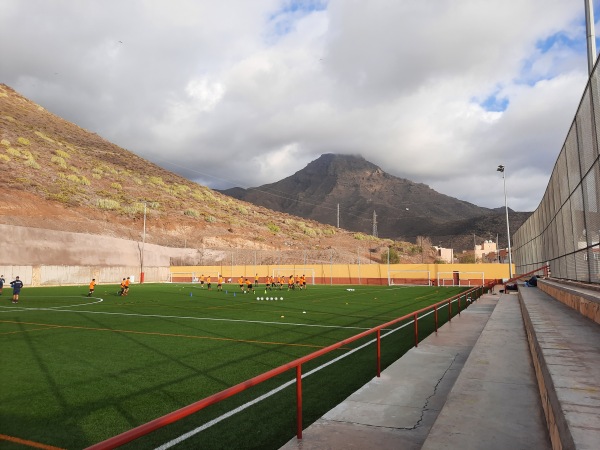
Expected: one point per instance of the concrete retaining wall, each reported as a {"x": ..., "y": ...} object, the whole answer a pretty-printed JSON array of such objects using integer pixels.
[
  {"x": 20, "y": 246},
  {"x": 586, "y": 305},
  {"x": 75, "y": 275}
]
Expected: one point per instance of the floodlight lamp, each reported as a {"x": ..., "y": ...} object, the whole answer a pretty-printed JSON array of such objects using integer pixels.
[{"x": 500, "y": 168}]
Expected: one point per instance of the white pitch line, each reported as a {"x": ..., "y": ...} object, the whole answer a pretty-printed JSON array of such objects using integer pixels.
[
  {"x": 266, "y": 395},
  {"x": 48, "y": 308},
  {"x": 160, "y": 316}
]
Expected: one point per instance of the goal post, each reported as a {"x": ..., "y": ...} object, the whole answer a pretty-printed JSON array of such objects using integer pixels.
[
  {"x": 459, "y": 278},
  {"x": 309, "y": 272},
  {"x": 409, "y": 277},
  {"x": 191, "y": 277}
]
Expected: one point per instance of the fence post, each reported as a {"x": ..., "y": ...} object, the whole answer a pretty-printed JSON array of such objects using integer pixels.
[
  {"x": 449, "y": 310},
  {"x": 299, "y": 401},
  {"x": 416, "y": 319},
  {"x": 435, "y": 318},
  {"x": 378, "y": 352},
  {"x": 459, "y": 297}
]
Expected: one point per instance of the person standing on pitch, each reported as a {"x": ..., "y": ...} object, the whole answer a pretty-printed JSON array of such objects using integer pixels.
[
  {"x": 2, "y": 281},
  {"x": 256, "y": 281},
  {"x": 17, "y": 285},
  {"x": 92, "y": 287},
  {"x": 126, "y": 290},
  {"x": 122, "y": 287},
  {"x": 220, "y": 283},
  {"x": 250, "y": 288}
]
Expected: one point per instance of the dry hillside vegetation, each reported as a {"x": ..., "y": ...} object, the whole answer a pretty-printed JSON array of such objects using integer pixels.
[{"x": 59, "y": 176}]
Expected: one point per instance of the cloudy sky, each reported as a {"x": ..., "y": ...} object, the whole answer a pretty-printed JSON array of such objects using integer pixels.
[{"x": 247, "y": 92}]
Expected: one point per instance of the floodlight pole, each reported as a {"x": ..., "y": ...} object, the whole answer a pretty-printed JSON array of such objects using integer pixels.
[
  {"x": 501, "y": 169},
  {"x": 590, "y": 33}
]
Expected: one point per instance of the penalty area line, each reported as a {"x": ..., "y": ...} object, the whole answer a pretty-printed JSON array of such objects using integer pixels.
[
  {"x": 33, "y": 444},
  {"x": 162, "y": 316}
]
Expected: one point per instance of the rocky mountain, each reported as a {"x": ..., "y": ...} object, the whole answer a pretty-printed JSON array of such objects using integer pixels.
[{"x": 367, "y": 195}]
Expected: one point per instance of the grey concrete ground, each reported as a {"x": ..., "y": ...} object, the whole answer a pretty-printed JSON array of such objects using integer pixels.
[{"x": 398, "y": 409}]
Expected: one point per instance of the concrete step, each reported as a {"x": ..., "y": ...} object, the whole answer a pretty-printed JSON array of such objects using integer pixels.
[
  {"x": 495, "y": 403},
  {"x": 565, "y": 346}
]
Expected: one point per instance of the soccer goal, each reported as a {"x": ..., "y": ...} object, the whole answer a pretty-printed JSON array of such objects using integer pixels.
[
  {"x": 409, "y": 278},
  {"x": 192, "y": 277},
  {"x": 461, "y": 278},
  {"x": 285, "y": 273}
]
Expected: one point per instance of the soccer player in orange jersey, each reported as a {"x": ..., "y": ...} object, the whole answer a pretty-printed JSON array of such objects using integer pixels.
[
  {"x": 241, "y": 282},
  {"x": 250, "y": 288},
  {"x": 208, "y": 282},
  {"x": 92, "y": 287},
  {"x": 126, "y": 291},
  {"x": 220, "y": 283},
  {"x": 122, "y": 287}
]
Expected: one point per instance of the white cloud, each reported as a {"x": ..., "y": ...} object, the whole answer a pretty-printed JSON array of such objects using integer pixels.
[{"x": 247, "y": 93}]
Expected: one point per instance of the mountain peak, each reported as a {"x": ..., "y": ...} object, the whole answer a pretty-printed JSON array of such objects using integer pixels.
[{"x": 333, "y": 164}]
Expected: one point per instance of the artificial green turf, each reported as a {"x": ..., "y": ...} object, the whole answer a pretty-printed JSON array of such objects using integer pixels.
[{"x": 77, "y": 370}]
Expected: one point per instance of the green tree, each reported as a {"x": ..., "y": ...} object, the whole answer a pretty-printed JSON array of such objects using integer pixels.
[
  {"x": 394, "y": 256},
  {"x": 466, "y": 258}
]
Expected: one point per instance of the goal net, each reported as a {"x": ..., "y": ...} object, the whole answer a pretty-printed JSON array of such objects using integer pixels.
[
  {"x": 192, "y": 277},
  {"x": 308, "y": 272},
  {"x": 461, "y": 278},
  {"x": 409, "y": 277}
]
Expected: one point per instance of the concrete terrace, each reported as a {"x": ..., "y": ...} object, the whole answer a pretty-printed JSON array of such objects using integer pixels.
[{"x": 475, "y": 384}]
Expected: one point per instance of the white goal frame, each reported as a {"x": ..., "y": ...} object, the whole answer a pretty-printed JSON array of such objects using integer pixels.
[
  {"x": 195, "y": 276},
  {"x": 409, "y": 274},
  {"x": 441, "y": 281},
  {"x": 309, "y": 272}
]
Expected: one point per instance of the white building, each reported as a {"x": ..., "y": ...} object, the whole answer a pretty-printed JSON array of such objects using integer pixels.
[
  {"x": 484, "y": 249},
  {"x": 445, "y": 254}
]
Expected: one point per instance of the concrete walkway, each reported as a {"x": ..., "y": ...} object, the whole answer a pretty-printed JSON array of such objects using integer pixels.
[{"x": 398, "y": 409}]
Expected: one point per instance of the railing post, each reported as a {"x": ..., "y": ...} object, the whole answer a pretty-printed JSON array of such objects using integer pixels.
[
  {"x": 459, "y": 297},
  {"x": 416, "y": 319},
  {"x": 299, "y": 401},
  {"x": 378, "y": 352},
  {"x": 435, "y": 318},
  {"x": 449, "y": 310}
]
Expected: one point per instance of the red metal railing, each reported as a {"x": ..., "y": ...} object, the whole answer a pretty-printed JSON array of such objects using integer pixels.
[
  {"x": 174, "y": 416},
  {"x": 518, "y": 277}
]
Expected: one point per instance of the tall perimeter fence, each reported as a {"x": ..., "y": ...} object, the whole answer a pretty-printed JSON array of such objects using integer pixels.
[{"x": 564, "y": 230}]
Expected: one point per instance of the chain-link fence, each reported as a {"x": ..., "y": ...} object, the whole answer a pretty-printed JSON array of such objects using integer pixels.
[{"x": 564, "y": 230}]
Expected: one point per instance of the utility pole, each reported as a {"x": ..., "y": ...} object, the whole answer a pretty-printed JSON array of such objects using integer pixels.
[
  {"x": 374, "y": 224},
  {"x": 338, "y": 215}
]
